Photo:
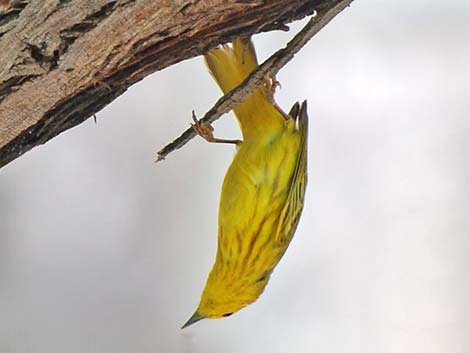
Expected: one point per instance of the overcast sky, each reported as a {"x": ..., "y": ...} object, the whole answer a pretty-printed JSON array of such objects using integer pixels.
[{"x": 103, "y": 251}]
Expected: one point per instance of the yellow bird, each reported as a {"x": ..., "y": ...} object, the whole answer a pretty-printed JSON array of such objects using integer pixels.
[{"x": 263, "y": 190}]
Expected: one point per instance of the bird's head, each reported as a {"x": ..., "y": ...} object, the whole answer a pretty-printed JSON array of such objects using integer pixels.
[{"x": 225, "y": 295}]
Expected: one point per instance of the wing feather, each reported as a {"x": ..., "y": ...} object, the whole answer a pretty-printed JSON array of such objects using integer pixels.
[{"x": 292, "y": 210}]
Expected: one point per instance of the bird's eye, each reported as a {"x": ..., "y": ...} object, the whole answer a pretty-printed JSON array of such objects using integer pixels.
[
  {"x": 227, "y": 314},
  {"x": 264, "y": 277}
]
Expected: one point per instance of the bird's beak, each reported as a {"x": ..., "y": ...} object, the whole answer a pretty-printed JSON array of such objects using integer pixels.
[{"x": 195, "y": 318}]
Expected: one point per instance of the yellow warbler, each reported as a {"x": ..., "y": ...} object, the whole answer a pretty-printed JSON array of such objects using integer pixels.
[{"x": 263, "y": 190}]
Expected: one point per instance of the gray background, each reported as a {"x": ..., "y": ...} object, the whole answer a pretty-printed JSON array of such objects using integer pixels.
[{"x": 103, "y": 251}]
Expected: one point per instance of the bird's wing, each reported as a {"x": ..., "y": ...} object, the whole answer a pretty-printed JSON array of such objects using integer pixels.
[{"x": 292, "y": 210}]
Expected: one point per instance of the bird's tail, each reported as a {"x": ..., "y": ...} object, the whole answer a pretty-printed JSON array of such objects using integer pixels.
[{"x": 230, "y": 65}]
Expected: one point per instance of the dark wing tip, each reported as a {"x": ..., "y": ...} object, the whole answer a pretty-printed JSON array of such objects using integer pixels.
[
  {"x": 294, "y": 111},
  {"x": 299, "y": 114},
  {"x": 303, "y": 116}
]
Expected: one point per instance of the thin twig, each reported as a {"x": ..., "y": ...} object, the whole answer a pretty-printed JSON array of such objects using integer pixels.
[{"x": 267, "y": 69}]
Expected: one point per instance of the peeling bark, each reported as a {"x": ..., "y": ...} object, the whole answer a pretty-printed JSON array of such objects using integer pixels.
[{"x": 61, "y": 61}]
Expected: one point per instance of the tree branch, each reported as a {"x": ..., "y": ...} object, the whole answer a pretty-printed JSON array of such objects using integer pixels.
[
  {"x": 66, "y": 60},
  {"x": 267, "y": 69}
]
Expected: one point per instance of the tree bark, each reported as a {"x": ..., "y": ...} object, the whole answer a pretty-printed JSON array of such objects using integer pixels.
[{"x": 61, "y": 61}]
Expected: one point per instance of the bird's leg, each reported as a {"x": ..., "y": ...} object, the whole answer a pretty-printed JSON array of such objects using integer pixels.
[
  {"x": 270, "y": 85},
  {"x": 205, "y": 130}
]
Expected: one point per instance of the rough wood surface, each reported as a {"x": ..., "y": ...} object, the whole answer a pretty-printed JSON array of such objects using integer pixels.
[{"x": 61, "y": 61}]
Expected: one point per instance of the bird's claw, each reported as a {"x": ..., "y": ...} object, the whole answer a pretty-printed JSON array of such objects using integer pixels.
[{"x": 203, "y": 129}]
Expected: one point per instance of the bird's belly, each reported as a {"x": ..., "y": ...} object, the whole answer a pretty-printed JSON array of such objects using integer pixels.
[{"x": 253, "y": 194}]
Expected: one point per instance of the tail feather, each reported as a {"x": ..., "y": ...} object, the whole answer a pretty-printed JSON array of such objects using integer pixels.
[{"x": 230, "y": 65}]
